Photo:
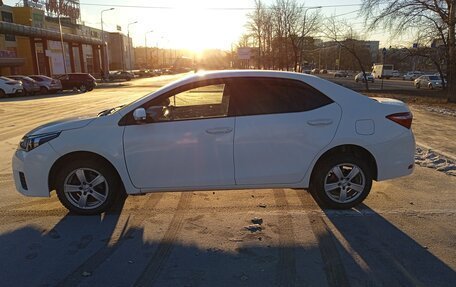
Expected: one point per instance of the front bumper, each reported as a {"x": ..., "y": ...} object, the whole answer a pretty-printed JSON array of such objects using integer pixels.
[{"x": 31, "y": 170}]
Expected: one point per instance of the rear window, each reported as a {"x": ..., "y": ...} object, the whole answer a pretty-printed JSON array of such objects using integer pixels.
[
  {"x": 38, "y": 79},
  {"x": 434, "y": 78}
]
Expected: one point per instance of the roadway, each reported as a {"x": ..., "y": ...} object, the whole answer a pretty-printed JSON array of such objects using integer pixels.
[{"x": 403, "y": 235}]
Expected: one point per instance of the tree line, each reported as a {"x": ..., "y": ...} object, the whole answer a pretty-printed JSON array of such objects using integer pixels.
[{"x": 286, "y": 35}]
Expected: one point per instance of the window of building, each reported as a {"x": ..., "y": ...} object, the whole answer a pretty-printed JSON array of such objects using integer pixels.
[{"x": 8, "y": 17}]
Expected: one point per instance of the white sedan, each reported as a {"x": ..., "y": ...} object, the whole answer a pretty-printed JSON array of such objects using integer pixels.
[{"x": 222, "y": 130}]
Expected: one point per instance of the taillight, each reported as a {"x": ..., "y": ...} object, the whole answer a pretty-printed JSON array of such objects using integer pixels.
[{"x": 404, "y": 119}]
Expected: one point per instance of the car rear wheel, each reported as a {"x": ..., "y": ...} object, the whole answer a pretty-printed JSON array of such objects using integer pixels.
[
  {"x": 2, "y": 93},
  {"x": 341, "y": 181},
  {"x": 88, "y": 187}
]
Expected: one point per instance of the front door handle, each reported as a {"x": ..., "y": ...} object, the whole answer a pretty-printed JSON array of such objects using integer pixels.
[
  {"x": 320, "y": 122},
  {"x": 224, "y": 130}
]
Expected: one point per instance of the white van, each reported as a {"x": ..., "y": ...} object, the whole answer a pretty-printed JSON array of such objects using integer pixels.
[{"x": 382, "y": 70}]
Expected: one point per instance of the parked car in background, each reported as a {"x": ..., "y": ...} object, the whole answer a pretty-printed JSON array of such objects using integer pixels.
[
  {"x": 247, "y": 129},
  {"x": 340, "y": 74},
  {"x": 78, "y": 81},
  {"x": 428, "y": 81},
  {"x": 396, "y": 74},
  {"x": 121, "y": 75},
  {"x": 323, "y": 71},
  {"x": 360, "y": 77},
  {"x": 315, "y": 71},
  {"x": 410, "y": 76},
  {"x": 10, "y": 87},
  {"x": 144, "y": 73},
  {"x": 47, "y": 84},
  {"x": 31, "y": 87}
]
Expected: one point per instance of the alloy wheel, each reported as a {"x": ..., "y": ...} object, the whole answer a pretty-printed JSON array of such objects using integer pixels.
[
  {"x": 344, "y": 183},
  {"x": 86, "y": 188}
]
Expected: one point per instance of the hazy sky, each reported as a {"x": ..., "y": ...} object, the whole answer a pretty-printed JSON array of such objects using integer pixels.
[{"x": 190, "y": 24}]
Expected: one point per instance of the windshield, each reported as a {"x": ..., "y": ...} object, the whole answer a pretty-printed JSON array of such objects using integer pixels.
[{"x": 434, "y": 78}]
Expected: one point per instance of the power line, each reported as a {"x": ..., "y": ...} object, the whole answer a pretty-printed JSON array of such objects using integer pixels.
[{"x": 203, "y": 8}]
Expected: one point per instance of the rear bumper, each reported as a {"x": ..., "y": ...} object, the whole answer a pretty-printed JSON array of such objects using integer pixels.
[{"x": 395, "y": 158}]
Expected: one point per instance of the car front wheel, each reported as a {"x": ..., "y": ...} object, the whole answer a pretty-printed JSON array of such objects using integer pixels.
[
  {"x": 83, "y": 88},
  {"x": 88, "y": 187},
  {"x": 341, "y": 181}
]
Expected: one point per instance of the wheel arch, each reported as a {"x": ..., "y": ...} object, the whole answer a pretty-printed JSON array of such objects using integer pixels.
[
  {"x": 355, "y": 150},
  {"x": 77, "y": 155}
]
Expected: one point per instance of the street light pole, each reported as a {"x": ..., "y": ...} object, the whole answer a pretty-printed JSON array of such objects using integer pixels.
[
  {"x": 303, "y": 31},
  {"x": 145, "y": 44},
  {"x": 105, "y": 48},
  {"x": 129, "y": 42},
  {"x": 383, "y": 64}
]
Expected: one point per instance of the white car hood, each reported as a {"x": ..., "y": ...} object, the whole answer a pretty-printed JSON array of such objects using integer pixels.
[{"x": 62, "y": 125}]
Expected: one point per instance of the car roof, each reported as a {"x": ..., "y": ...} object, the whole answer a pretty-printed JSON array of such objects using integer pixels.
[{"x": 334, "y": 91}]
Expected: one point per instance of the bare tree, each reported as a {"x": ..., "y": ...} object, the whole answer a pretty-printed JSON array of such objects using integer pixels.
[
  {"x": 343, "y": 35},
  {"x": 401, "y": 15},
  {"x": 257, "y": 26}
]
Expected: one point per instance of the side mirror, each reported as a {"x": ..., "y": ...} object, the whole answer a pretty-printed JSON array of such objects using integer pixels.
[{"x": 139, "y": 114}]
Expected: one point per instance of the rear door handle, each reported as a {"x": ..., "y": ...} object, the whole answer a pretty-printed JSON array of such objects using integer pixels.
[
  {"x": 224, "y": 130},
  {"x": 320, "y": 122}
]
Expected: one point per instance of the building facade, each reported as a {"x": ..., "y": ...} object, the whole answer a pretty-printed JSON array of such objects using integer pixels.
[{"x": 30, "y": 43}]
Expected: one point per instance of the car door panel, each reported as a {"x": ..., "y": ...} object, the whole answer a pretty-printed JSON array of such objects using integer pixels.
[
  {"x": 278, "y": 148},
  {"x": 180, "y": 153}
]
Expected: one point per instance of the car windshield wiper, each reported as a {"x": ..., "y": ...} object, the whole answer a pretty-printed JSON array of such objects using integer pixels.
[{"x": 110, "y": 111}]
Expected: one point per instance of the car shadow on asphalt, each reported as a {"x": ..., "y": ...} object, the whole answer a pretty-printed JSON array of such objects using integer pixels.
[
  {"x": 109, "y": 251},
  {"x": 374, "y": 252}
]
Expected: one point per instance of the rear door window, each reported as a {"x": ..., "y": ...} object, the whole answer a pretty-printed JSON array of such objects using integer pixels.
[{"x": 258, "y": 96}]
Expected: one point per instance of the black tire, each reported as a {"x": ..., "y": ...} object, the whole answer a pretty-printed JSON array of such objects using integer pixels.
[
  {"x": 89, "y": 89},
  {"x": 110, "y": 189},
  {"x": 323, "y": 174},
  {"x": 83, "y": 88},
  {"x": 417, "y": 86},
  {"x": 431, "y": 86},
  {"x": 2, "y": 93}
]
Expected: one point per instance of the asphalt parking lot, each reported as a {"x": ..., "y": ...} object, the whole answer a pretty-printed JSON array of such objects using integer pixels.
[{"x": 403, "y": 235}]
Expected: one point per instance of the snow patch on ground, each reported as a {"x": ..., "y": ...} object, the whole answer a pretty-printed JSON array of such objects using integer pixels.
[
  {"x": 439, "y": 110},
  {"x": 431, "y": 159}
]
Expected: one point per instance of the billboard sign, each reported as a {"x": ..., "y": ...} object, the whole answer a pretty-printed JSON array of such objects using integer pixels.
[{"x": 244, "y": 53}]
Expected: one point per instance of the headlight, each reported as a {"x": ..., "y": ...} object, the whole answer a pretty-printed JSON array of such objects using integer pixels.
[{"x": 30, "y": 142}]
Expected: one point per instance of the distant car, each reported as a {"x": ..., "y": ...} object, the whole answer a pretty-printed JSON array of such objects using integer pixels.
[
  {"x": 315, "y": 71},
  {"x": 222, "y": 130},
  {"x": 396, "y": 74},
  {"x": 47, "y": 84},
  {"x": 323, "y": 71},
  {"x": 31, "y": 87},
  {"x": 78, "y": 81},
  {"x": 360, "y": 77},
  {"x": 410, "y": 76},
  {"x": 10, "y": 87},
  {"x": 340, "y": 74},
  {"x": 429, "y": 81},
  {"x": 121, "y": 75},
  {"x": 145, "y": 73}
]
